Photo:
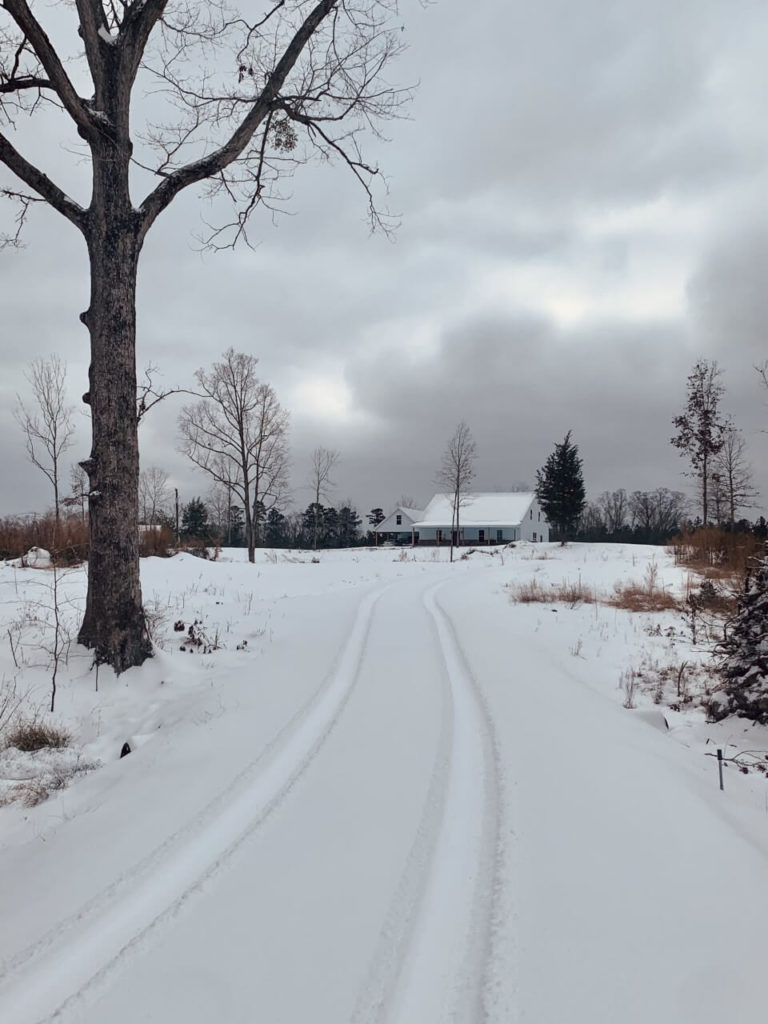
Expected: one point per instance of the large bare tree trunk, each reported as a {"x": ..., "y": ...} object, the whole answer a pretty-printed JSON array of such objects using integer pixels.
[
  {"x": 317, "y": 64},
  {"x": 114, "y": 626}
]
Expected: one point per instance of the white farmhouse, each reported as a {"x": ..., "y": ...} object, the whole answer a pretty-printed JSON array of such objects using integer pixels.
[
  {"x": 488, "y": 518},
  {"x": 398, "y": 526}
]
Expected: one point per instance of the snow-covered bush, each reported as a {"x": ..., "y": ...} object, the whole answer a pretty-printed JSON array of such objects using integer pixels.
[{"x": 744, "y": 652}]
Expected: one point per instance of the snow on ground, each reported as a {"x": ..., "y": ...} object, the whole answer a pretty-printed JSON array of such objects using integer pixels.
[{"x": 373, "y": 787}]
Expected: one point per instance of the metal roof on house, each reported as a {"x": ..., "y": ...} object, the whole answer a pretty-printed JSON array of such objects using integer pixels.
[{"x": 486, "y": 509}]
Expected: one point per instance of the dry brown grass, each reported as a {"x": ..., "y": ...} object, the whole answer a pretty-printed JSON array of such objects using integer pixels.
[
  {"x": 66, "y": 540},
  {"x": 567, "y": 592},
  {"x": 636, "y": 597},
  {"x": 34, "y": 734},
  {"x": 158, "y": 541},
  {"x": 715, "y": 552},
  {"x": 647, "y": 596}
]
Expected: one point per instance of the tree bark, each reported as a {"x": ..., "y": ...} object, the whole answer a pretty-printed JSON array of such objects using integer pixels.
[{"x": 114, "y": 626}]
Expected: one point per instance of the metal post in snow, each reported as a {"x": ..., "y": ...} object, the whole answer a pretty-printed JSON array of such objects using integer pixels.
[{"x": 720, "y": 766}]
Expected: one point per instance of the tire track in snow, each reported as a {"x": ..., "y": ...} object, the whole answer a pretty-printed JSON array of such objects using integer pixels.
[
  {"x": 432, "y": 960},
  {"x": 44, "y": 981}
]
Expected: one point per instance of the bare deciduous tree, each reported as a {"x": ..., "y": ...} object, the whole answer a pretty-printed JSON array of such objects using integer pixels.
[
  {"x": 242, "y": 104},
  {"x": 732, "y": 475},
  {"x": 614, "y": 508},
  {"x": 238, "y": 434},
  {"x": 154, "y": 495},
  {"x": 657, "y": 513},
  {"x": 324, "y": 461},
  {"x": 457, "y": 471},
  {"x": 48, "y": 428},
  {"x": 407, "y": 501},
  {"x": 78, "y": 491},
  {"x": 700, "y": 428}
]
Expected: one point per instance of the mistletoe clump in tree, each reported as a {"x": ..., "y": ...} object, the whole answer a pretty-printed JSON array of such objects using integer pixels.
[
  {"x": 160, "y": 96},
  {"x": 744, "y": 652},
  {"x": 560, "y": 488}
]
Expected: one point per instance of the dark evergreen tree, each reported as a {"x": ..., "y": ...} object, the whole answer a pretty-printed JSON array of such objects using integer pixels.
[
  {"x": 560, "y": 488},
  {"x": 329, "y": 529},
  {"x": 236, "y": 527},
  {"x": 275, "y": 531},
  {"x": 349, "y": 526},
  {"x": 744, "y": 652},
  {"x": 194, "y": 521},
  {"x": 374, "y": 517},
  {"x": 312, "y": 525},
  {"x": 258, "y": 516}
]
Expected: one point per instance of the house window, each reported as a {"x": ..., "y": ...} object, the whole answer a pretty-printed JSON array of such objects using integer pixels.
[
  {"x": 539, "y": 516},
  {"x": 535, "y": 538},
  {"x": 481, "y": 535},
  {"x": 399, "y": 520},
  {"x": 531, "y": 513},
  {"x": 439, "y": 536},
  {"x": 499, "y": 535}
]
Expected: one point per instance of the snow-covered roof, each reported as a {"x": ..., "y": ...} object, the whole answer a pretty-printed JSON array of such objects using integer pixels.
[
  {"x": 486, "y": 509},
  {"x": 390, "y": 524}
]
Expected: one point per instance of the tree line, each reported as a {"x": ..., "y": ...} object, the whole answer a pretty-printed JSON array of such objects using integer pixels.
[
  {"x": 211, "y": 522},
  {"x": 715, "y": 450}
]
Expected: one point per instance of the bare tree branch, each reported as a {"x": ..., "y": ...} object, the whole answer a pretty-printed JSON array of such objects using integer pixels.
[
  {"x": 33, "y": 32},
  {"x": 210, "y": 165},
  {"x": 24, "y": 201},
  {"x": 40, "y": 183},
  {"x": 148, "y": 396}
]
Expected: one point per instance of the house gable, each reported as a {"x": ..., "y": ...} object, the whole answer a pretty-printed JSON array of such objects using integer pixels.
[{"x": 400, "y": 520}]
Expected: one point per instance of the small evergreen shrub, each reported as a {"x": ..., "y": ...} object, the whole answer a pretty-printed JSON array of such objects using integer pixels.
[{"x": 744, "y": 652}]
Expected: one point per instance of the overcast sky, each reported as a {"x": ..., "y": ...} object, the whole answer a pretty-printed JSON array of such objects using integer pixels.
[{"x": 583, "y": 194}]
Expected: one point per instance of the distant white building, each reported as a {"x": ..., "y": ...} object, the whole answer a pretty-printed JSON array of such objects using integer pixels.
[
  {"x": 397, "y": 528},
  {"x": 488, "y": 518}
]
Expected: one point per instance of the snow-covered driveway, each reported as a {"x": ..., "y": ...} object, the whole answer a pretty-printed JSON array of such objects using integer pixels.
[{"x": 452, "y": 827}]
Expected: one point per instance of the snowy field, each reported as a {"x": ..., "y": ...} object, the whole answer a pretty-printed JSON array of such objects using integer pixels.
[{"x": 373, "y": 787}]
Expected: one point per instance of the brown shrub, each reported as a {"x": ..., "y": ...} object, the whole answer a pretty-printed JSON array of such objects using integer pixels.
[
  {"x": 714, "y": 551},
  {"x": 34, "y": 734},
  {"x": 707, "y": 596},
  {"x": 636, "y": 597},
  {"x": 66, "y": 540},
  {"x": 156, "y": 540},
  {"x": 556, "y": 593}
]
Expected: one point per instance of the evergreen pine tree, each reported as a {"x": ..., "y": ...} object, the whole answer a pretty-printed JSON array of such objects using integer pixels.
[
  {"x": 194, "y": 521},
  {"x": 349, "y": 526},
  {"x": 311, "y": 524},
  {"x": 275, "y": 533},
  {"x": 560, "y": 488},
  {"x": 744, "y": 652},
  {"x": 329, "y": 529},
  {"x": 236, "y": 527}
]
